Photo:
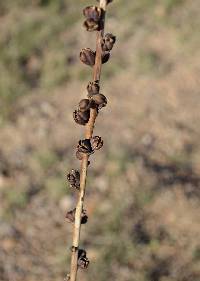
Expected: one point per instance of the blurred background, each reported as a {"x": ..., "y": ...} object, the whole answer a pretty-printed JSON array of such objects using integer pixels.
[{"x": 143, "y": 187}]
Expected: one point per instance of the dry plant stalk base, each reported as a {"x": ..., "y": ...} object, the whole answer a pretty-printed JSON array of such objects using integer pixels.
[{"x": 86, "y": 115}]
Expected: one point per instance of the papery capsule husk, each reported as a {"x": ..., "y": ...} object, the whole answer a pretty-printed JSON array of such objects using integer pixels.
[
  {"x": 92, "y": 12},
  {"x": 70, "y": 216},
  {"x": 84, "y": 146},
  {"x": 81, "y": 118},
  {"x": 93, "y": 88},
  {"x": 82, "y": 253},
  {"x": 74, "y": 179},
  {"x": 83, "y": 261},
  {"x": 100, "y": 100},
  {"x": 109, "y": 37},
  {"x": 91, "y": 25},
  {"x": 84, "y": 105},
  {"x": 108, "y": 42},
  {"x": 105, "y": 57},
  {"x": 96, "y": 142},
  {"x": 87, "y": 56}
]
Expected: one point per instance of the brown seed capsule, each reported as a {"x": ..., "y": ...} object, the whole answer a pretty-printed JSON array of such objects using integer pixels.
[
  {"x": 84, "y": 217},
  {"x": 108, "y": 42},
  {"x": 83, "y": 261},
  {"x": 105, "y": 57},
  {"x": 84, "y": 105},
  {"x": 87, "y": 56},
  {"x": 91, "y": 25},
  {"x": 81, "y": 117},
  {"x": 110, "y": 37},
  {"x": 84, "y": 146},
  {"x": 93, "y": 88},
  {"x": 100, "y": 100},
  {"x": 96, "y": 142},
  {"x": 74, "y": 179},
  {"x": 70, "y": 216},
  {"x": 92, "y": 12}
]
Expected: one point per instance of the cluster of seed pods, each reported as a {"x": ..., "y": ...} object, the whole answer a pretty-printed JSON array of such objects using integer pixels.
[{"x": 93, "y": 103}]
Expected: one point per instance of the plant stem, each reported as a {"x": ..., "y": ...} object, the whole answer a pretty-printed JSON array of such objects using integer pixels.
[{"x": 84, "y": 161}]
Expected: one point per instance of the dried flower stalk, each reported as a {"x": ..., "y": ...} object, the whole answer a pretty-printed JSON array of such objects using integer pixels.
[{"x": 86, "y": 115}]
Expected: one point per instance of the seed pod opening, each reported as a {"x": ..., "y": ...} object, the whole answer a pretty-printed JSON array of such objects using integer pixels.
[
  {"x": 70, "y": 216},
  {"x": 108, "y": 42},
  {"x": 96, "y": 142},
  {"x": 83, "y": 261},
  {"x": 109, "y": 37},
  {"x": 93, "y": 88},
  {"x": 91, "y": 25},
  {"x": 87, "y": 56},
  {"x": 74, "y": 179},
  {"x": 100, "y": 100},
  {"x": 84, "y": 146},
  {"x": 105, "y": 57},
  {"x": 92, "y": 12}
]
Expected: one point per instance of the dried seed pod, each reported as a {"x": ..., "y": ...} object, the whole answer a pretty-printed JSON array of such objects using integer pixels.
[
  {"x": 92, "y": 12},
  {"x": 81, "y": 253},
  {"x": 100, "y": 100},
  {"x": 84, "y": 217},
  {"x": 109, "y": 37},
  {"x": 83, "y": 261},
  {"x": 70, "y": 216},
  {"x": 84, "y": 146},
  {"x": 93, "y": 88},
  {"x": 105, "y": 57},
  {"x": 108, "y": 42},
  {"x": 81, "y": 117},
  {"x": 87, "y": 56},
  {"x": 74, "y": 179},
  {"x": 84, "y": 105},
  {"x": 96, "y": 142},
  {"x": 91, "y": 25}
]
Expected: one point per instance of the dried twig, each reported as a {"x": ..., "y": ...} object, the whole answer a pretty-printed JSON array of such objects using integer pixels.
[{"x": 86, "y": 115}]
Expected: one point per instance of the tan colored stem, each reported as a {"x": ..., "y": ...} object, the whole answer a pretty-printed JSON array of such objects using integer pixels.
[{"x": 84, "y": 162}]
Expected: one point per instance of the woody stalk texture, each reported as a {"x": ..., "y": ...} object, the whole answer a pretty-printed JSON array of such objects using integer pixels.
[{"x": 86, "y": 114}]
